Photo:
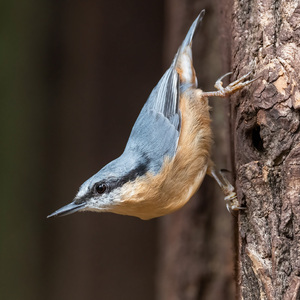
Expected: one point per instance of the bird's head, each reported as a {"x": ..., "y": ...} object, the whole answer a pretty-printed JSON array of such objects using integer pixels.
[
  {"x": 104, "y": 192},
  {"x": 99, "y": 193}
]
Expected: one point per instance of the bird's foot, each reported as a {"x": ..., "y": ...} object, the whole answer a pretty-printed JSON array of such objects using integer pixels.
[
  {"x": 232, "y": 203},
  {"x": 231, "y": 200},
  {"x": 229, "y": 89}
]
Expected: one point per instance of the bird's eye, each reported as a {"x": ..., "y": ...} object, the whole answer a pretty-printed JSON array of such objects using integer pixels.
[{"x": 100, "y": 188}]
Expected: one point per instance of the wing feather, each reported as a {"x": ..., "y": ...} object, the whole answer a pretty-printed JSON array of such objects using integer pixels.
[
  {"x": 165, "y": 96},
  {"x": 156, "y": 131}
]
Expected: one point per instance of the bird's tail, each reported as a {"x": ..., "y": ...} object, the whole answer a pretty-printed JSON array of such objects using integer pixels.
[
  {"x": 183, "y": 61},
  {"x": 189, "y": 37}
]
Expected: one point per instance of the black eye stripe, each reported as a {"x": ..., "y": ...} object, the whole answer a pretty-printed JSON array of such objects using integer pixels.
[{"x": 114, "y": 183}]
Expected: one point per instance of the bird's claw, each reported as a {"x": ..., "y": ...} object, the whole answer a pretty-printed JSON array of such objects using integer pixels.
[
  {"x": 231, "y": 199},
  {"x": 219, "y": 84},
  {"x": 231, "y": 88},
  {"x": 232, "y": 203}
]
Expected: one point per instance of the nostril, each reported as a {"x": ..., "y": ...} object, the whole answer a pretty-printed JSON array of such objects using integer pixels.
[{"x": 256, "y": 139}]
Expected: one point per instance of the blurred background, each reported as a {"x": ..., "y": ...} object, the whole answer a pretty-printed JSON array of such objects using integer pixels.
[{"x": 74, "y": 76}]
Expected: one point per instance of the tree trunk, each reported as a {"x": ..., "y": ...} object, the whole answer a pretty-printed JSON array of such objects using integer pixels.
[{"x": 265, "y": 125}]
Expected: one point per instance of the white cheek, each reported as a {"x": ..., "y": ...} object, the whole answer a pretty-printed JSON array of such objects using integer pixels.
[
  {"x": 105, "y": 202},
  {"x": 83, "y": 191}
]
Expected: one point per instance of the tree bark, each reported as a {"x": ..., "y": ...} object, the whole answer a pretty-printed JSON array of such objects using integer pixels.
[{"x": 265, "y": 125}]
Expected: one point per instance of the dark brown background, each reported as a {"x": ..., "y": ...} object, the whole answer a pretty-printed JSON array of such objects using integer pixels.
[{"x": 75, "y": 75}]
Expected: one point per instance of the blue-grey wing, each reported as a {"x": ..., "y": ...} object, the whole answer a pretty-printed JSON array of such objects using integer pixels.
[{"x": 156, "y": 131}]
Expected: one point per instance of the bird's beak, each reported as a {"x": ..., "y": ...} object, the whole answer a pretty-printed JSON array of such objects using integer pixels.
[{"x": 67, "y": 209}]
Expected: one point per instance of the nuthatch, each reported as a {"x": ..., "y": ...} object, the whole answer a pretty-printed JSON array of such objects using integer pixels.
[{"x": 168, "y": 152}]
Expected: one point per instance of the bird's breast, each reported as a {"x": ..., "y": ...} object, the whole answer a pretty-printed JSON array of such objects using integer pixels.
[{"x": 152, "y": 195}]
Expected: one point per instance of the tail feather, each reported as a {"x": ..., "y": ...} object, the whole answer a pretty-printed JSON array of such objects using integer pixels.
[
  {"x": 189, "y": 37},
  {"x": 183, "y": 61}
]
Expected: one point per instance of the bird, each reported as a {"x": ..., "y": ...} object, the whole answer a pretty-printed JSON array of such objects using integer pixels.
[{"x": 168, "y": 152}]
